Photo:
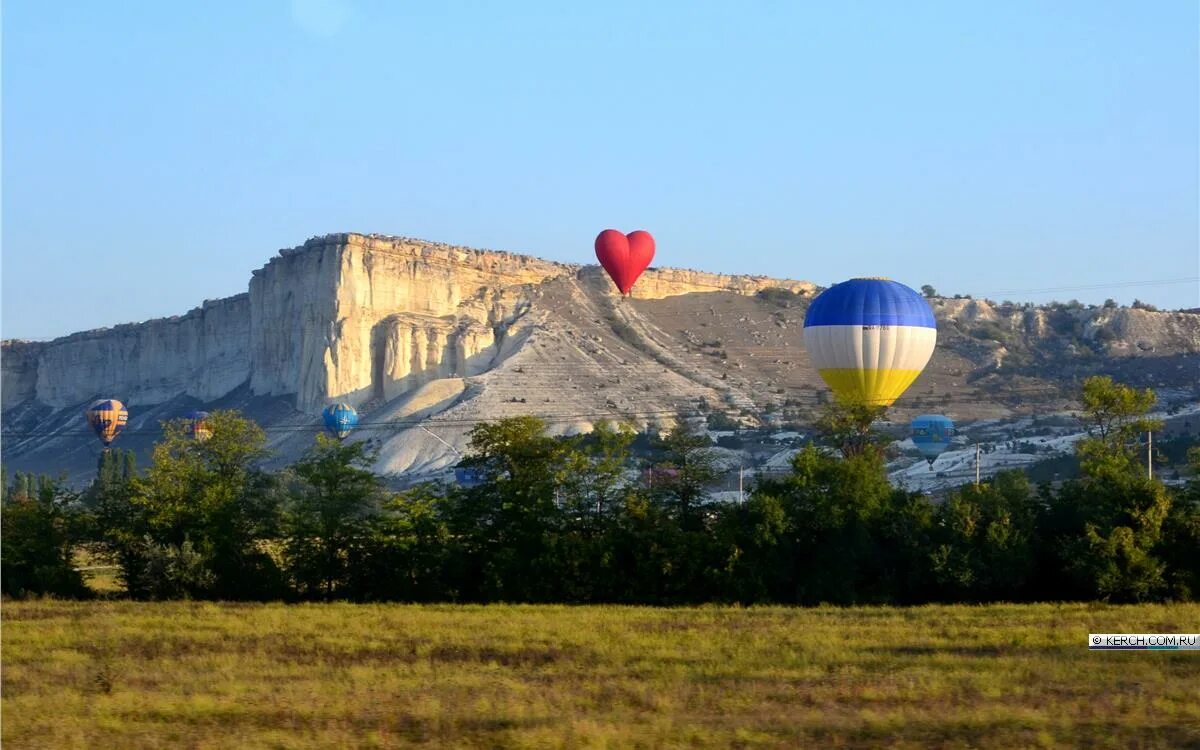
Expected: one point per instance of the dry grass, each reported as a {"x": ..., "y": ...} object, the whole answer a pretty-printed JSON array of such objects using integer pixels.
[
  {"x": 187, "y": 675},
  {"x": 99, "y": 570}
]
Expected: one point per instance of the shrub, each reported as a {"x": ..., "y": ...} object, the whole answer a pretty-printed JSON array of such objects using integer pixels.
[
  {"x": 719, "y": 420},
  {"x": 40, "y": 527},
  {"x": 779, "y": 296},
  {"x": 990, "y": 331}
]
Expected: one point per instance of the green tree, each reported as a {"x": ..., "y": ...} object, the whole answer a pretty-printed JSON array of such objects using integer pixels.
[
  {"x": 982, "y": 545},
  {"x": 208, "y": 494},
  {"x": 1105, "y": 526},
  {"x": 1116, "y": 418},
  {"x": 329, "y": 522},
  {"x": 690, "y": 467},
  {"x": 39, "y": 529},
  {"x": 508, "y": 526},
  {"x": 594, "y": 476},
  {"x": 928, "y": 291},
  {"x": 847, "y": 425},
  {"x": 115, "y": 468},
  {"x": 834, "y": 508},
  {"x": 168, "y": 571},
  {"x": 751, "y": 542},
  {"x": 1179, "y": 548},
  {"x": 655, "y": 559},
  {"x": 903, "y": 530},
  {"x": 595, "y": 487},
  {"x": 129, "y": 466},
  {"x": 408, "y": 548}
]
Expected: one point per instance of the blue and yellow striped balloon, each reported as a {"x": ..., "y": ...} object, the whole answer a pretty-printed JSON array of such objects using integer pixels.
[{"x": 869, "y": 339}]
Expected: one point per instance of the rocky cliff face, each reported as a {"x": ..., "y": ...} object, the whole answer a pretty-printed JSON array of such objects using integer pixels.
[
  {"x": 356, "y": 318},
  {"x": 344, "y": 316},
  {"x": 1064, "y": 335},
  {"x": 1118, "y": 331},
  {"x": 204, "y": 354},
  {"x": 660, "y": 283}
]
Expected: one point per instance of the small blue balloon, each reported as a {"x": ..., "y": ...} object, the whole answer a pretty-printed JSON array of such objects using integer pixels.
[
  {"x": 340, "y": 419},
  {"x": 932, "y": 433}
]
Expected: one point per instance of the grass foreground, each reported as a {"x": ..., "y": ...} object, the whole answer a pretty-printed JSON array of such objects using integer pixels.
[{"x": 198, "y": 675}]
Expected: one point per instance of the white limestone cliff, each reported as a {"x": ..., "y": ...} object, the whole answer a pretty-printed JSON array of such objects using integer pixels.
[
  {"x": 202, "y": 354},
  {"x": 345, "y": 316}
]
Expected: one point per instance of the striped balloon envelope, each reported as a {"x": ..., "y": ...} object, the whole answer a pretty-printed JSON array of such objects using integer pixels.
[
  {"x": 869, "y": 339},
  {"x": 107, "y": 418},
  {"x": 198, "y": 426},
  {"x": 932, "y": 433},
  {"x": 340, "y": 419}
]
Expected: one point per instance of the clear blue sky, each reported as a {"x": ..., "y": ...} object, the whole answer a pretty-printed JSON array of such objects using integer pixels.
[{"x": 154, "y": 153}]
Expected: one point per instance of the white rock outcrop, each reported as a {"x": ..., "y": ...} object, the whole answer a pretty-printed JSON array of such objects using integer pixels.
[{"x": 203, "y": 354}]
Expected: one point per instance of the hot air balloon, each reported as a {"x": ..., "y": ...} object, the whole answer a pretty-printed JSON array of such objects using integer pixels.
[
  {"x": 931, "y": 433},
  {"x": 107, "y": 417},
  {"x": 624, "y": 256},
  {"x": 197, "y": 425},
  {"x": 340, "y": 419},
  {"x": 869, "y": 338}
]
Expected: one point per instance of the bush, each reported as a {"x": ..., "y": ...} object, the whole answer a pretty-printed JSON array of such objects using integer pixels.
[
  {"x": 172, "y": 572},
  {"x": 39, "y": 529},
  {"x": 1063, "y": 322},
  {"x": 990, "y": 331},
  {"x": 719, "y": 420},
  {"x": 779, "y": 296}
]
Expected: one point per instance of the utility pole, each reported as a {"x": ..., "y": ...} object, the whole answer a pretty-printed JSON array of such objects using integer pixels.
[
  {"x": 1150, "y": 455},
  {"x": 977, "y": 451},
  {"x": 741, "y": 497}
]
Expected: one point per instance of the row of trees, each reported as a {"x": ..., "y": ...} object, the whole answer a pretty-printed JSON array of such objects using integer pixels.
[{"x": 566, "y": 520}]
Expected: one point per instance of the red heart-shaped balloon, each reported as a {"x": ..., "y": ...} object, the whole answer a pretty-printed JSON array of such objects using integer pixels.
[{"x": 624, "y": 256}]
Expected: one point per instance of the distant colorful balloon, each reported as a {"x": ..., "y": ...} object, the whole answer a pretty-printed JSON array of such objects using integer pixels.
[
  {"x": 340, "y": 419},
  {"x": 932, "y": 434},
  {"x": 624, "y": 256},
  {"x": 198, "y": 426},
  {"x": 107, "y": 418},
  {"x": 869, "y": 339}
]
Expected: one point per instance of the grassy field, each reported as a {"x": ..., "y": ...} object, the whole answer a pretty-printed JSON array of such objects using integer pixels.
[{"x": 187, "y": 675}]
